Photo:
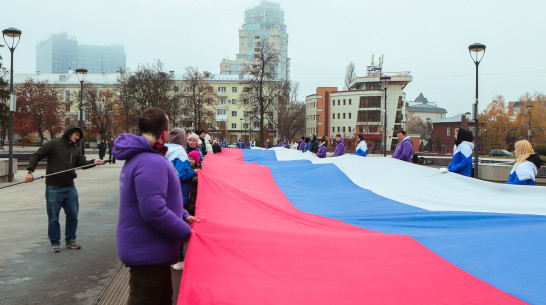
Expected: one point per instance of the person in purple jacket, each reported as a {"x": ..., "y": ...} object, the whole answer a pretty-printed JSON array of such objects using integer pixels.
[
  {"x": 340, "y": 146},
  {"x": 322, "y": 148},
  {"x": 152, "y": 222},
  {"x": 302, "y": 144},
  {"x": 404, "y": 149}
]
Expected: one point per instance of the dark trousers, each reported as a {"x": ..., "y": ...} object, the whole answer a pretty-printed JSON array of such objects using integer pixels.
[
  {"x": 150, "y": 285},
  {"x": 57, "y": 198}
]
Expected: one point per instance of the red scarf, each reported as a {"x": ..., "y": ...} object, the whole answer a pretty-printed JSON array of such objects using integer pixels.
[{"x": 160, "y": 148}]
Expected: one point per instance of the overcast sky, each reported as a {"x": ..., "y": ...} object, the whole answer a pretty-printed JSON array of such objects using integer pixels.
[{"x": 429, "y": 38}]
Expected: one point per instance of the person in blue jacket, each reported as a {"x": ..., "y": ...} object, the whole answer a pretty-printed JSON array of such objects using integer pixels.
[
  {"x": 527, "y": 165},
  {"x": 461, "y": 163},
  {"x": 362, "y": 147},
  {"x": 177, "y": 155},
  {"x": 224, "y": 144},
  {"x": 307, "y": 144},
  {"x": 241, "y": 144}
]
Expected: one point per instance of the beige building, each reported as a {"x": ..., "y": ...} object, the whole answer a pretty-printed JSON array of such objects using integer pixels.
[
  {"x": 359, "y": 110},
  {"x": 232, "y": 117}
]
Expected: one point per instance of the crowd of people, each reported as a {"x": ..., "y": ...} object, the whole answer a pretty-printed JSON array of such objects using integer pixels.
[{"x": 158, "y": 189}]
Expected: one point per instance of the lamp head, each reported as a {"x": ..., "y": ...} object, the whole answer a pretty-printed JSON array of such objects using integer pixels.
[
  {"x": 385, "y": 81},
  {"x": 476, "y": 48},
  {"x": 81, "y": 73},
  {"x": 12, "y": 33}
]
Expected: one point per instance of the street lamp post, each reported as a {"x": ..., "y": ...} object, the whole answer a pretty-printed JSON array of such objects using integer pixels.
[
  {"x": 385, "y": 84},
  {"x": 529, "y": 110},
  {"x": 81, "y": 73},
  {"x": 476, "y": 48},
  {"x": 12, "y": 33}
]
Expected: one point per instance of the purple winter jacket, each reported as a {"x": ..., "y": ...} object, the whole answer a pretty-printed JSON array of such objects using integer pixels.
[
  {"x": 404, "y": 150},
  {"x": 340, "y": 148},
  {"x": 322, "y": 151},
  {"x": 150, "y": 224}
]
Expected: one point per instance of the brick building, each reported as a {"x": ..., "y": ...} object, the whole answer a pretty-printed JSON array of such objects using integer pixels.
[{"x": 445, "y": 129}]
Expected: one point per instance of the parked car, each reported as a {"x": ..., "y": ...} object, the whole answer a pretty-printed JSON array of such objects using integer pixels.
[{"x": 500, "y": 153}]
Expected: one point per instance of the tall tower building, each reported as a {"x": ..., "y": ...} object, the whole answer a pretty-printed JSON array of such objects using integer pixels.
[
  {"x": 263, "y": 23},
  {"x": 61, "y": 52}
]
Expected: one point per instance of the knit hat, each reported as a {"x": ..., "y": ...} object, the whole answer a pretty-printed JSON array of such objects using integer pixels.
[
  {"x": 195, "y": 155},
  {"x": 193, "y": 136},
  {"x": 178, "y": 136}
]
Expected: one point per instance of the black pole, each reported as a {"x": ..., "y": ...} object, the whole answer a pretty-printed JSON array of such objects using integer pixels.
[
  {"x": 11, "y": 110},
  {"x": 476, "y": 127},
  {"x": 385, "y": 127},
  {"x": 81, "y": 116}
]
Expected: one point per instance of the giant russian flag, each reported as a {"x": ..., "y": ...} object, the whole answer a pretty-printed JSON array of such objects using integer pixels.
[{"x": 282, "y": 227}]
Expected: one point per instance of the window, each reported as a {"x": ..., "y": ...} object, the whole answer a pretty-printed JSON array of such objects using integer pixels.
[
  {"x": 370, "y": 102},
  {"x": 234, "y": 113},
  {"x": 175, "y": 88},
  {"x": 245, "y": 101},
  {"x": 338, "y": 129},
  {"x": 344, "y": 102},
  {"x": 221, "y": 111},
  {"x": 187, "y": 101},
  {"x": 349, "y": 116},
  {"x": 448, "y": 131},
  {"x": 67, "y": 109},
  {"x": 245, "y": 125},
  {"x": 333, "y": 102},
  {"x": 349, "y": 101},
  {"x": 209, "y": 125},
  {"x": 338, "y": 102},
  {"x": 369, "y": 116},
  {"x": 246, "y": 89},
  {"x": 221, "y": 89},
  {"x": 333, "y": 129},
  {"x": 349, "y": 128},
  {"x": 234, "y": 101},
  {"x": 222, "y": 101},
  {"x": 338, "y": 116},
  {"x": 343, "y": 115},
  {"x": 343, "y": 129},
  {"x": 67, "y": 95},
  {"x": 233, "y": 125},
  {"x": 233, "y": 89},
  {"x": 333, "y": 116}
]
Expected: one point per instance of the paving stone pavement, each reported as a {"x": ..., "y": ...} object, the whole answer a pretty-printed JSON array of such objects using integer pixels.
[{"x": 29, "y": 273}]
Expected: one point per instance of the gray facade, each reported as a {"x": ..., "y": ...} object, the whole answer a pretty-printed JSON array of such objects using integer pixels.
[{"x": 61, "y": 52}]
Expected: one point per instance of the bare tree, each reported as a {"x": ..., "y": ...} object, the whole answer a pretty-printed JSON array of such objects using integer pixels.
[
  {"x": 149, "y": 86},
  {"x": 290, "y": 112},
  {"x": 263, "y": 89},
  {"x": 199, "y": 98},
  {"x": 350, "y": 75},
  {"x": 99, "y": 103},
  {"x": 125, "y": 112}
]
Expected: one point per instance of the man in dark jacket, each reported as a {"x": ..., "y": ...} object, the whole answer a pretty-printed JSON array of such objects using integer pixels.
[{"x": 62, "y": 154}]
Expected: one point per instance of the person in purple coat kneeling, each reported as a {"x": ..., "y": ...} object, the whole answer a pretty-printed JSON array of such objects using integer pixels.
[
  {"x": 404, "y": 149},
  {"x": 152, "y": 222}
]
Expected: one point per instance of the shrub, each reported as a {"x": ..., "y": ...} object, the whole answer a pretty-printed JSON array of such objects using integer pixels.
[
  {"x": 540, "y": 149},
  {"x": 30, "y": 139}
]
